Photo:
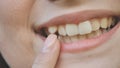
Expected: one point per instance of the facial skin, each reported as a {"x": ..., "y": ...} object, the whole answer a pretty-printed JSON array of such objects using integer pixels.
[{"x": 19, "y": 44}]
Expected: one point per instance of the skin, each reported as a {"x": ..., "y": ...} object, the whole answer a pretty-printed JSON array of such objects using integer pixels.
[{"x": 20, "y": 45}]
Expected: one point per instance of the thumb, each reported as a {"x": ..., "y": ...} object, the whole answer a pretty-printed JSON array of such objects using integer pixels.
[{"x": 49, "y": 54}]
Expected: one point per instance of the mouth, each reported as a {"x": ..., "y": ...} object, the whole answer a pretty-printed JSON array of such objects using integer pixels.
[{"x": 80, "y": 31}]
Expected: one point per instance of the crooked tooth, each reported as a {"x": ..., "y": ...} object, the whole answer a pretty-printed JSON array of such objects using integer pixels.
[
  {"x": 71, "y": 29},
  {"x": 95, "y": 24},
  {"x": 52, "y": 29},
  {"x": 61, "y": 31},
  {"x": 85, "y": 28},
  {"x": 104, "y": 23}
]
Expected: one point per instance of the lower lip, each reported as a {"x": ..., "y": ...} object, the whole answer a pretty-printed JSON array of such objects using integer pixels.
[{"x": 88, "y": 44}]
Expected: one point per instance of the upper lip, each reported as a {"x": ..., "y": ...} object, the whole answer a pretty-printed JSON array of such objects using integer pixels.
[{"x": 77, "y": 17}]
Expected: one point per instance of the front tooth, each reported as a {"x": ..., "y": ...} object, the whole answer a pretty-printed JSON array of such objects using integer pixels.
[
  {"x": 104, "y": 23},
  {"x": 71, "y": 29},
  {"x": 61, "y": 31},
  {"x": 52, "y": 29},
  {"x": 85, "y": 28},
  {"x": 95, "y": 24}
]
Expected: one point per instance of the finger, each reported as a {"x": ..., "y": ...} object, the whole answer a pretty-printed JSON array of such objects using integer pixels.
[{"x": 49, "y": 54}]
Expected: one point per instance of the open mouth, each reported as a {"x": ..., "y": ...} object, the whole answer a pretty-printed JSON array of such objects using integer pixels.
[{"x": 81, "y": 32}]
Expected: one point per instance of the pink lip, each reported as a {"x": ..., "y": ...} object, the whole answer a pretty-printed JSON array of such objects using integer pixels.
[
  {"x": 77, "y": 18},
  {"x": 88, "y": 43}
]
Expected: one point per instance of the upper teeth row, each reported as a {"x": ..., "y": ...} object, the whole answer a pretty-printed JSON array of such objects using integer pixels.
[{"x": 81, "y": 28}]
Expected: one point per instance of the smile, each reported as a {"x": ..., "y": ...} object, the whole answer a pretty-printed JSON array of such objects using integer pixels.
[{"x": 81, "y": 30}]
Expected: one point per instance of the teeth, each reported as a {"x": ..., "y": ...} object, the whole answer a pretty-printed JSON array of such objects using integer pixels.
[
  {"x": 52, "y": 29},
  {"x": 74, "y": 38},
  {"x": 85, "y": 28},
  {"x": 71, "y": 29},
  {"x": 91, "y": 35},
  {"x": 66, "y": 39},
  {"x": 98, "y": 33},
  {"x": 82, "y": 37},
  {"x": 109, "y": 21},
  {"x": 61, "y": 30},
  {"x": 104, "y": 23},
  {"x": 104, "y": 31},
  {"x": 95, "y": 24},
  {"x": 113, "y": 24}
]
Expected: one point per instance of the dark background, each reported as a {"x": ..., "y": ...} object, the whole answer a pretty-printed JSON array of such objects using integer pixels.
[{"x": 3, "y": 64}]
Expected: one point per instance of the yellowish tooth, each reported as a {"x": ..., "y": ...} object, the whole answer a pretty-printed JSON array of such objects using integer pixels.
[
  {"x": 82, "y": 37},
  {"x": 104, "y": 31},
  {"x": 61, "y": 38},
  {"x": 98, "y": 33},
  {"x": 104, "y": 23},
  {"x": 113, "y": 22},
  {"x": 85, "y": 27},
  {"x": 62, "y": 31},
  {"x": 52, "y": 29},
  {"x": 110, "y": 21},
  {"x": 91, "y": 35},
  {"x": 95, "y": 24},
  {"x": 74, "y": 38},
  {"x": 67, "y": 39},
  {"x": 71, "y": 29}
]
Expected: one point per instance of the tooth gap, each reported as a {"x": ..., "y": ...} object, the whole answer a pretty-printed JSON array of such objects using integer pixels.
[
  {"x": 56, "y": 33},
  {"x": 43, "y": 31},
  {"x": 115, "y": 21}
]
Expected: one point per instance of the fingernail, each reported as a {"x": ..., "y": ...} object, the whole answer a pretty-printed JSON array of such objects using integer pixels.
[{"x": 51, "y": 39}]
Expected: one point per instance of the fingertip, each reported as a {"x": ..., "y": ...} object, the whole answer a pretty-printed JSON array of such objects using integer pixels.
[{"x": 50, "y": 43}]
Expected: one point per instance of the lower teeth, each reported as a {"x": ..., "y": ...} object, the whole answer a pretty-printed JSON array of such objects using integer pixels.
[{"x": 68, "y": 39}]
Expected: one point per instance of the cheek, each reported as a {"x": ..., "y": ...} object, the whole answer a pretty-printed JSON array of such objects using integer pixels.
[
  {"x": 14, "y": 16},
  {"x": 15, "y": 35},
  {"x": 14, "y": 25},
  {"x": 14, "y": 11}
]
